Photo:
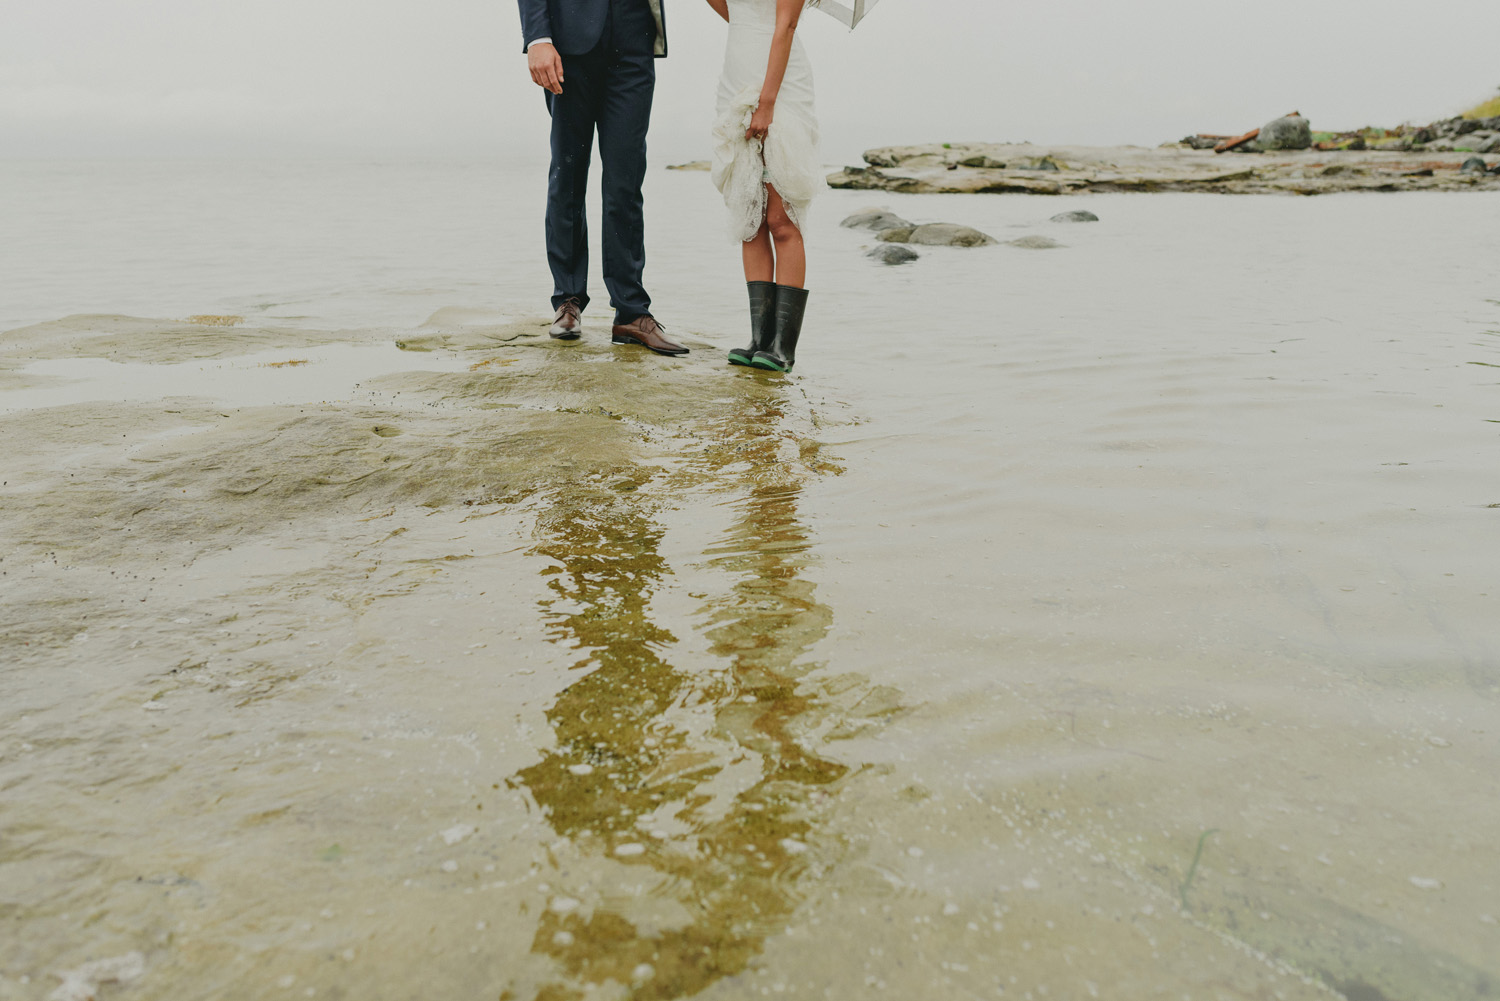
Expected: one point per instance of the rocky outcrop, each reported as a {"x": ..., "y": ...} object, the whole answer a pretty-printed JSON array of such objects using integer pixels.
[
  {"x": 1078, "y": 215},
  {"x": 1459, "y": 135},
  {"x": 1082, "y": 169}
]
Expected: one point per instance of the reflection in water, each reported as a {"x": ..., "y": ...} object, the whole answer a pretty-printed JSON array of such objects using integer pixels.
[{"x": 708, "y": 778}]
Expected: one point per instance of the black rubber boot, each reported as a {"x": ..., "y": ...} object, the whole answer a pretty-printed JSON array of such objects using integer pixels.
[
  {"x": 791, "y": 304},
  {"x": 762, "y": 319}
]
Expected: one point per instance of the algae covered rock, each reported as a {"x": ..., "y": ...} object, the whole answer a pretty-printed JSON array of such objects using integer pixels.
[
  {"x": 1078, "y": 215},
  {"x": 947, "y": 234}
]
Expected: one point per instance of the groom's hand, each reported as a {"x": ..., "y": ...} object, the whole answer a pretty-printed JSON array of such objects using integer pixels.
[{"x": 546, "y": 66}]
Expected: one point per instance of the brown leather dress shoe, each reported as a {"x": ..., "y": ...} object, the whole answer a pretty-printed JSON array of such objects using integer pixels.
[
  {"x": 645, "y": 331},
  {"x": 569, "y": 323}
]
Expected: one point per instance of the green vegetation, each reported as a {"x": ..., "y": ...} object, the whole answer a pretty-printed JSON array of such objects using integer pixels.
[
  {"x": 1489, "y": 109},
  {"x": 1182, "y": 889},
  {"x": 1368, "y": 137}
]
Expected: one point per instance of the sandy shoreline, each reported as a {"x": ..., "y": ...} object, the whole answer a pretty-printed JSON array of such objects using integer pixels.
[{"x": 237, "y": 548}]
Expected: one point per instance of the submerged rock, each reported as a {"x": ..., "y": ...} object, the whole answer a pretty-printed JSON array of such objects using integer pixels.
[
  {"x": 1081, "y": 215},
  {"x": 947, "y": 234},
  {"x": 877, "y": 220},
  {"x": 893, "y": 253},
  {"x": 1034, "y": 243},
  {"x": 1474, "y": 165},
  {"x": 1291, "y": 132},
  {"x": 898, "y": 235}
]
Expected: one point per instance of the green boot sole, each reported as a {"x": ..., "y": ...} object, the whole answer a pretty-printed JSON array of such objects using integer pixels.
[{"x": 767, "y": 364}]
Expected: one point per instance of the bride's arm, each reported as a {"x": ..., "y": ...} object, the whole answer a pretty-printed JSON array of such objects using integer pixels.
[
  {"x": 788, "y": 12},
  {"x": 721, "y": 7}
]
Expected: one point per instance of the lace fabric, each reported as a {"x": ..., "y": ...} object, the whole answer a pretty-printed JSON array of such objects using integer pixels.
[{"x": 788, "y": 158}]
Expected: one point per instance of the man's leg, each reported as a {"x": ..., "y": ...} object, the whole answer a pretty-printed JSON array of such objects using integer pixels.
[
  {"x": 624, "y": 116},
  {"x": 574, "y": 113}
]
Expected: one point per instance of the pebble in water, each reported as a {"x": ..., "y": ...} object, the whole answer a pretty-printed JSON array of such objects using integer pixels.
[
  {"x": 82, "y": 984},
  {"x": 629, "y": 849},
  {"x": 1425, "y": 883},
  {"x": 454, "y": 835}
]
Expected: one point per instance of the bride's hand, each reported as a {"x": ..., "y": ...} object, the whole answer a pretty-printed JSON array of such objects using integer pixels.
[{"x": 760, "y": 122}]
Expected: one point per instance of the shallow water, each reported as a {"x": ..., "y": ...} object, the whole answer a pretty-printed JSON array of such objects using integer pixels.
[{"x": 1115, "y": 620}]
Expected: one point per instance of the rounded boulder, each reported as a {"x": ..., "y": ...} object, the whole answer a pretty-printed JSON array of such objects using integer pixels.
[
  {"x": 947, "y": 234},
  {"x": 875, "y": 220},
  {"x": 1291, "y": 132}
]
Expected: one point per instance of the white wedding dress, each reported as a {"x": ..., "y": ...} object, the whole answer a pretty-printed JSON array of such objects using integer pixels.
[{"x": 789, "y": 159}]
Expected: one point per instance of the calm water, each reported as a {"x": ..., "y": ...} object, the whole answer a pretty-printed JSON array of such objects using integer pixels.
[{"x": 1110, "y": 621}]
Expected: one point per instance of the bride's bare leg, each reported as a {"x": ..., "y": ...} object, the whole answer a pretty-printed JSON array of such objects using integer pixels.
[
  {"x": 791, "y": 255},
  {"x": 760, "y": 262}
]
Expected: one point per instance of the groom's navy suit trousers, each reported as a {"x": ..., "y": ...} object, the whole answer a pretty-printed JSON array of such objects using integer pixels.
[{"x": 609, "y": 78}]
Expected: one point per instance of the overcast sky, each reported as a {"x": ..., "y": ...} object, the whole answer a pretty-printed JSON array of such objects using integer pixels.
[{"x": 440, "y": 78}]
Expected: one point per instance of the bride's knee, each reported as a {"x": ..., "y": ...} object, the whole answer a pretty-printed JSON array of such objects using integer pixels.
[{"x": 781, "y": 226}]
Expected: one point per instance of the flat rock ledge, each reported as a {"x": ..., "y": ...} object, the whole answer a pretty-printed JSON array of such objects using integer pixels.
[{"x": 980, "y": 168}]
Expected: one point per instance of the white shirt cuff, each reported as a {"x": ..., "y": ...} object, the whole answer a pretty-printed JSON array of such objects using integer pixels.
[{"x": 538, "y": 41}]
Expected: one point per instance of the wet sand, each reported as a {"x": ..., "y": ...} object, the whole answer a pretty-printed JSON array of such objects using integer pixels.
[{"x": 1135, "y": 639}]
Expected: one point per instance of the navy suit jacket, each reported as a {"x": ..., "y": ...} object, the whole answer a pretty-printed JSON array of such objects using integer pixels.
[{"x": 575, "y": 26}]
